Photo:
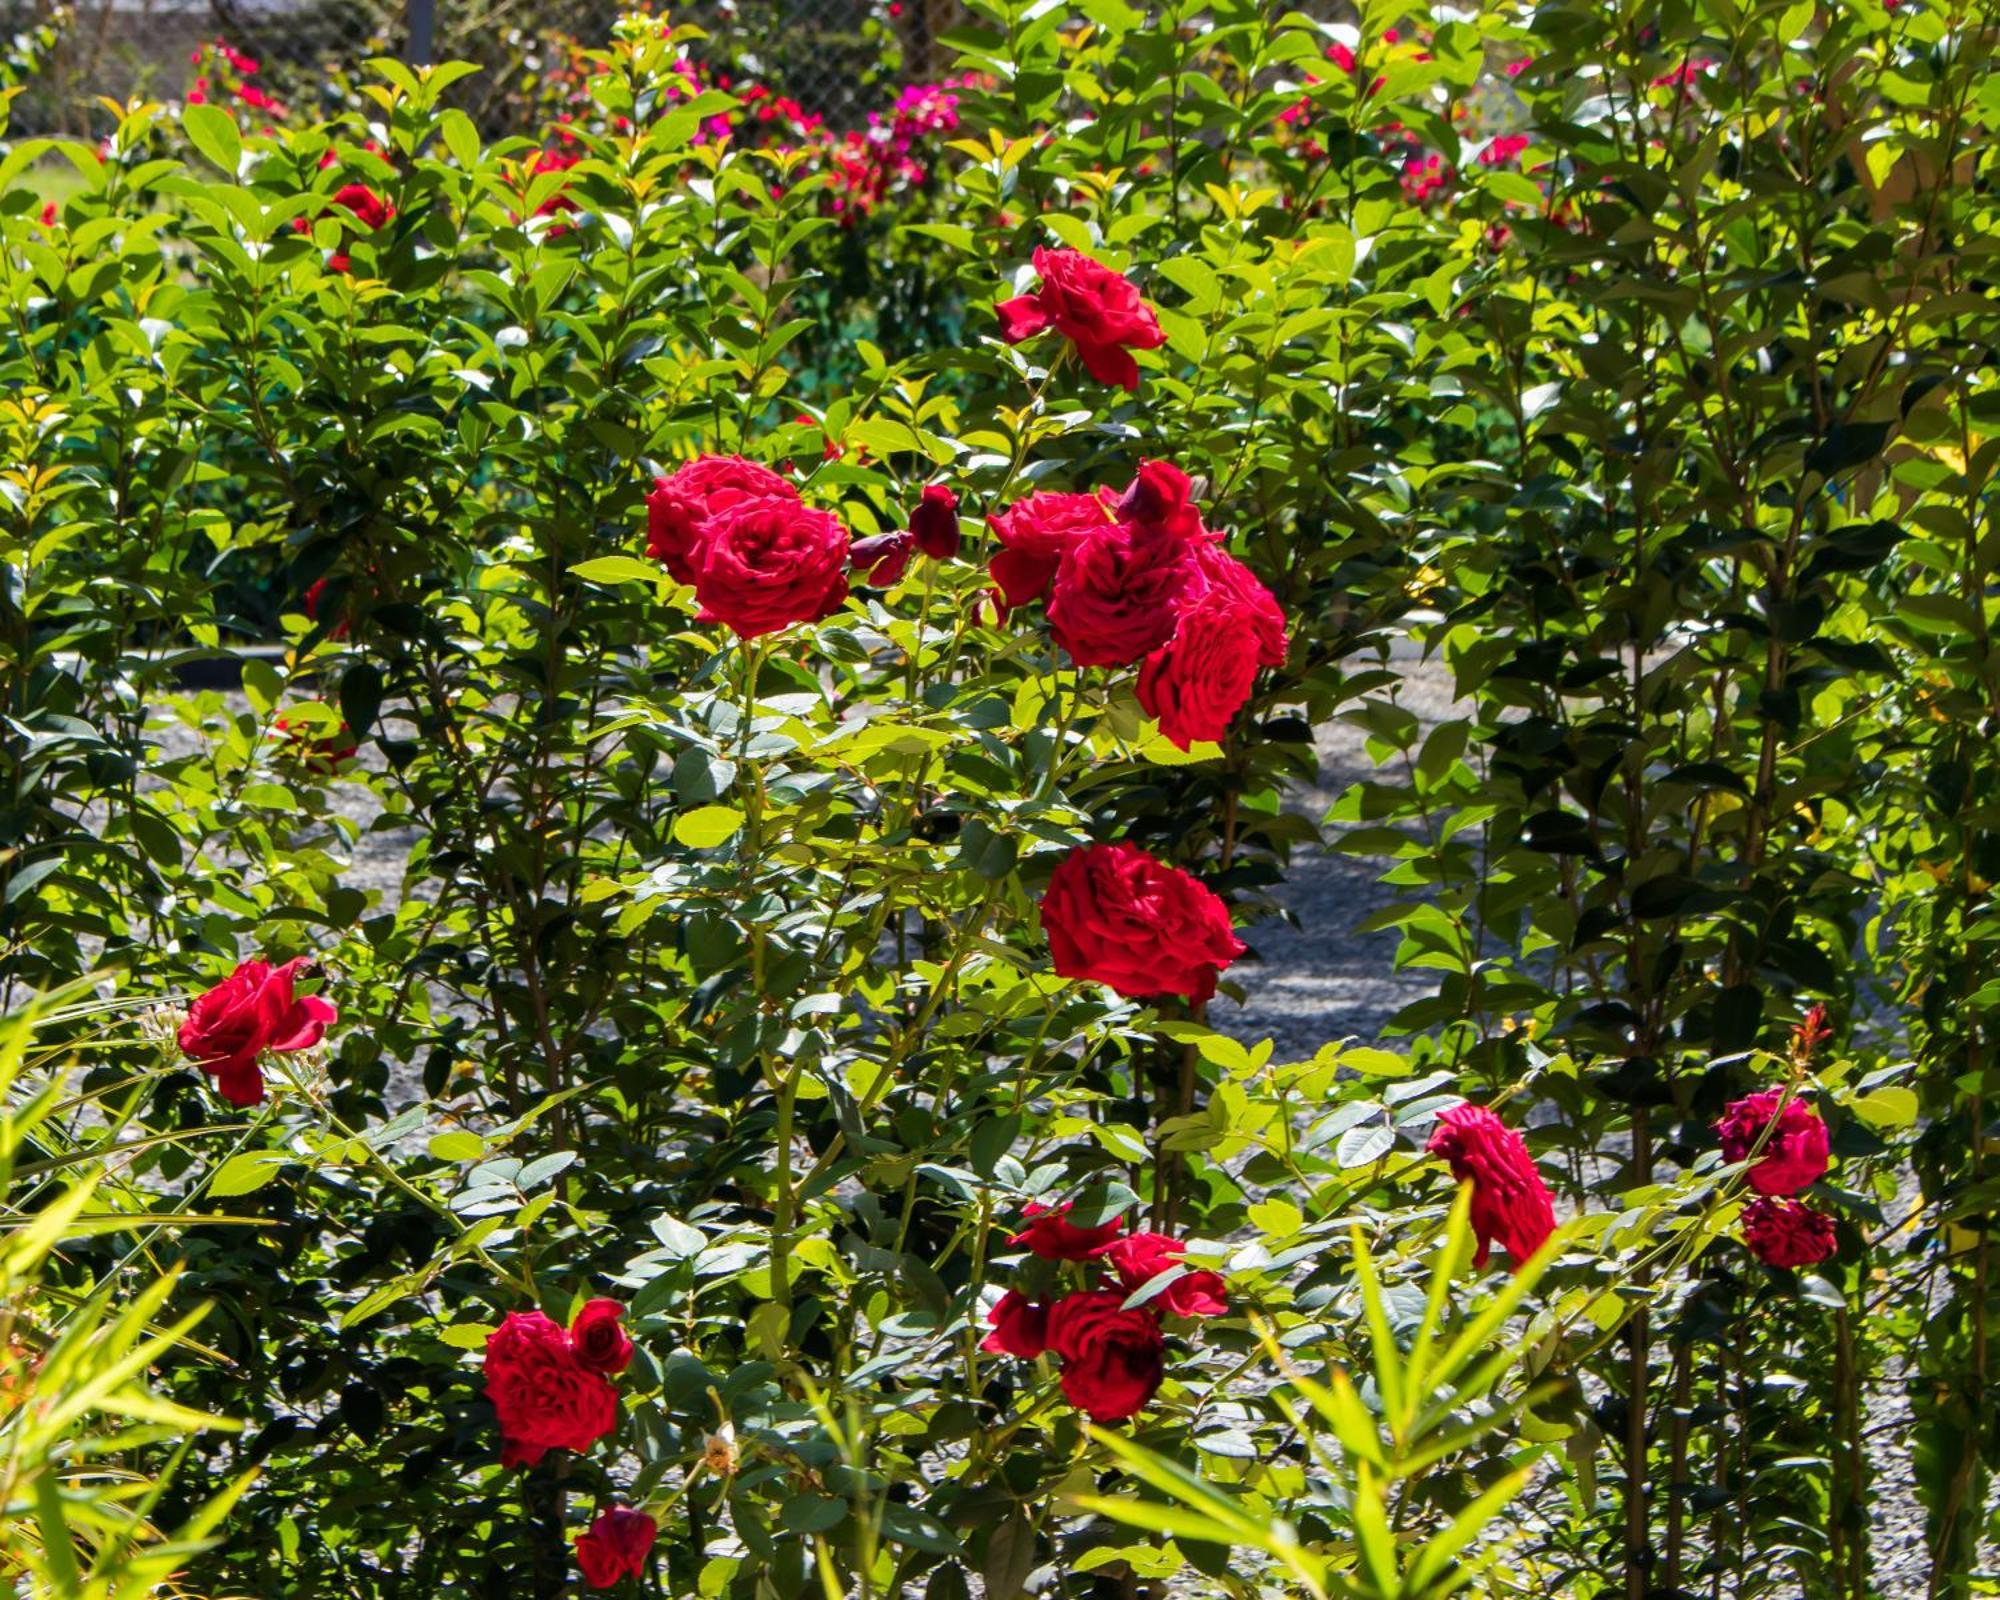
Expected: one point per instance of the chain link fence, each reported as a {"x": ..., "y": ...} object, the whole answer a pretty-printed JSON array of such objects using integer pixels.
[{"x": 817, "y": 51}]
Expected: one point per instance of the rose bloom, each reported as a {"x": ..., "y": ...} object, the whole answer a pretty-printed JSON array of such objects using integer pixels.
[
  {"x": 544, "y": 1395},
  {"x": 762, "y": 565},
  {"x": 882, "y": 558},
  {"x": 615, "y": 1547},
  {"x": 1097, "y": 310},
  {"x": 1020, "y": 1328},
  {"x": 1511, "y": 1205},
  {"x": 1033, "y": 534},
  {"x": 1217, "y": 572},
  {"x": 1118, "y": 593},
  {"x": 1196, "y": 683},
  {"x": 678, "y": 509},
  {"x": 1139, "y": 1258},
  {"x": 1052, "y": 1236},
  {"x": 251, "y": 1011},
  {"x": 1112, "y": 1359},
  {"x": 1115, "y": 915},
  {"x": 599, "y": 1342},
  {"x": 1159, "y": 495},
  {"x": 934, "y": 524},
  {"x": 1787, "y": 1233},
  {"x": 1794, "y": 1155},
  {"x": 369, "y": 210}
]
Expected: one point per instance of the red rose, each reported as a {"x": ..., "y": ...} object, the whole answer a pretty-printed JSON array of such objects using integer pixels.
[
  {"x": 1115, "y": 915},
  {"x": 1139, "y": 1258},
  {"x": 1020, "y": 1328},
  {"x": 251, "y": 1011},
  {"x": 599, "y": 1342},
  {"x": 1197, "y": 682},
  {"x": 1217, "y": 572},
  {"x": 765, "y": 564},
  {"x": 1793, "y": 1156},
  {"x": 1096, "y": 309},
  {"x": 314, "y": 596},
  {"x": 1052, "y": 1236},
  {"x": 678, "y": 509},
  {"x": 1511, "y": 1205},
  {"x": 615, "y": 1547},
  {"x": 934, "y": 524},
  {"x": 369, "y": 209},
  {"x": 882, "y": 558},
  {"x": 1033, "y": 534},
  {"x": 1159, "y": 495},
  {"x": 1112, "y": 1359},
  {"x": 1787, "y": 1233},
  {"x": 1118, "y": 593},
  {"x": 545, "y": 1397}
]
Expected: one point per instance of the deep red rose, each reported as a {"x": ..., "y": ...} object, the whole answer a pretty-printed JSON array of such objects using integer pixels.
[
  {"x": 1139, "y": 1258},
  {"x": 1511, "y": 1205},
  {"x": 1787, "y": 1233},
  {"x": 1096, "y": 309},
  {"x": 765, "y": 564},
  {"x": 315, "y": 596},
  {"x": 251, "y": 1011},
  {"x": 545, "y": 1397},
  {"x": 1020, "y": 1328},
  {"x": 678, "y": 509},
  {"x": 1198, "y": 680},
  {"x": 1118, "y": 593},
  {"x": 1112, "y": 1359},
  {"x": 1115, "y": 915},
  {"x": 600, "y": 1343},
  {"x": 1051, "y": 1235},
  {"x": 1033, "y": 534},
  {"x": 615, "y": 1547},
  {"x": 1217, "y": 572},
  {"x": 1795, "y": 1154},
  {"x": 368, "y": 208},
  {"x": 882, "y": 558},
  {"x": 934, "y": 524},
  {"x": 1160, "y": 495}
]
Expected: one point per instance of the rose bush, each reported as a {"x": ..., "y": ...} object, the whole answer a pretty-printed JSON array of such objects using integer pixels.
[{"x": 785, "y": 1125}]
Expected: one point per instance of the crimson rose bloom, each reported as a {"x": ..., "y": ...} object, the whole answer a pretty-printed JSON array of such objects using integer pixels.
[
  {"x": 599, "y": 1342},
  {"x": 1033, "y": 534},
  {"x": 882, "y": 558},
  {"x": 1793, "y": 1156},
  {"x": 1118, "y": 593},
  {"x": 1218, "y": 573},
  {"x": 369, "y": 210},
  {"x": 1115, "y": 915},
  {"x": 1511, "y": 1205},
  {"x": 251, "y": 1011},
  {"x": 1197, "y": 682},
  {"x": 762, "y": 565},
  {"x": 1096, "y": 309},
  {"x": 678, "y": 509},
  {"x": 1112, "y": 1359},
  {"x": 1020, "y": 1328},
  {"x": 545, "y": 1397},
  {"x": 615, "y": 1547},
  {"x": 1139, "y": 1258},
  {"x": 934, "y": 524},
  {"x": 1159, "y": 495},
  {"x": 1052, "y": 1236},
  {"x": 1787, "y": 1233}
]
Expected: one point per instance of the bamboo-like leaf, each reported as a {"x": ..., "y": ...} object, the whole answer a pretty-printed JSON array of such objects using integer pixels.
[
  {"x": 1382, "y": 1338},
  {"x": 1434, "y": 1560}
]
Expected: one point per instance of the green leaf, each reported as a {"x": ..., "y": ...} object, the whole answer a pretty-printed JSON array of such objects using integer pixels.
[
  {"x": 212, "y": 131},
  {"x": 617, "y": 569},
  {"x": 458, "y": 1145},
  {"x": 246, "y": 1172},
  {"x": 1891, "y": 1106},
  {"x": 705, "y": 827}
]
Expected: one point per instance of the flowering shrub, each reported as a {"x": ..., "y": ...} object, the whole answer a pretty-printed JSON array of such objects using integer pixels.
[{"x": 833, "y": 628}]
